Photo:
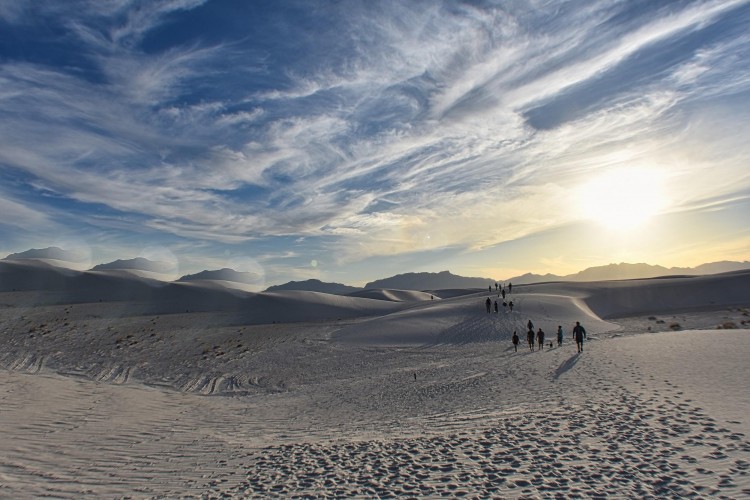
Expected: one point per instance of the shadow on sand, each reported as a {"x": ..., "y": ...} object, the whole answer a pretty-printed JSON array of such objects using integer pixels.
[{"x": 567, "y": 365}]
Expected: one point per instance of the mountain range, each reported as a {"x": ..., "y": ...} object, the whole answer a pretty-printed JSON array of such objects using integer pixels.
[
  {"x": 625, "y": 271},
  {"x": 430, "y": 281},
  {"x": 137, "y": 264},
  {"x": 446, "y": 280},
  {"x": 314, "y": 285},
  {"x": 443, "y": 280},
  {"x": 224, "y": 274}
]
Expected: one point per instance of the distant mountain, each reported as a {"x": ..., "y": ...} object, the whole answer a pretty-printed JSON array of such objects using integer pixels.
[
  {"x": 446, "y": 280},
  {"x": 137, "y": 264},
  {"x": 622, "y": 271},
  {"x": 55, "y": 256},
  {"x": 721, "y": 267},
  {"x": 527, "y": 278},
  {"x": 314, "y": 285},
  {"x": 430, "y": 281},
  {"x": 225, "y": 274},
  {"x": 50, "y": 253},
  {"x": 625, "y": 271}
]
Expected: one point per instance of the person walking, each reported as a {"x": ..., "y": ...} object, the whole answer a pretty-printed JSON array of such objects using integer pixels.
[
  {"x": 530, "y": 326},
  {"x": 540, "y": 339},
  {"x": 579, "y": 333},
  {"x": 488, "y": 304},
  {"x": 530, "y": 338},
  {"x": 510, "y": 287},
  {"x": 510, "y": 304},
  {"x": 503, "y": 293},
  {"x": 515, "y": 341},
  {"x": 495, "y": 307},
  {"x": 559, "y": 335}
]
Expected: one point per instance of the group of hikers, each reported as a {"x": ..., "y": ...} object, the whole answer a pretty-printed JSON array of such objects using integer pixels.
[
  {"x": 500, "y": 289},
  {"x": 579, "y": 334},
  {"x": 488, "y": 305}
]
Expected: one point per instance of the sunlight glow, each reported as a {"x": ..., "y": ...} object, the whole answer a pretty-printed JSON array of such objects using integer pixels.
[{"x": 623, "y": 200}]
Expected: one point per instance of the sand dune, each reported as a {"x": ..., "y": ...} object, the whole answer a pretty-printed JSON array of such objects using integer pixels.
[
  {"x": 394, "y": 295},
  {"x": 106, "y": 376}
]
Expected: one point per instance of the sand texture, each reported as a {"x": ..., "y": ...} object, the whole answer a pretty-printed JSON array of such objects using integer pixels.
[{"x": 385, "y": 394}]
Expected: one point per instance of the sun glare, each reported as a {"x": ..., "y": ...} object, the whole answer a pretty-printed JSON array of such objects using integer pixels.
[{"x": 622, "y": 200}]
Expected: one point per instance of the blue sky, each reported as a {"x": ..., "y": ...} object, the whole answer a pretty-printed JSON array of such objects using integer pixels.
[{"x": 350, "y": 141}]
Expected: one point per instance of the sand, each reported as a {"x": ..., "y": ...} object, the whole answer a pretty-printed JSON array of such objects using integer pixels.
[{"x": 387, "y": 394}]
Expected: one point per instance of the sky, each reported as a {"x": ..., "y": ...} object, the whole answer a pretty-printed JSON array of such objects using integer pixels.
[{"x": 349, "y": 141}]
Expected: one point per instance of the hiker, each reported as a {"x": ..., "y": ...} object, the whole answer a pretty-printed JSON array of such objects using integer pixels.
[
  {"x": 495, "y": 307},
  {"x": 530, "y": 326},
  {"x": 530, "y": 338},
  {"x": 488, "y": 304},
  {"x": 515, "y": 341},
  {"x": 540, "y": 339},
  {"x": 490, "y": 288},
  {"x": 579, "y": 333},
  {"x": 510, "y": 287},
  {"x": 510, "y": 304},
  {"x": 503, "y": 293},
  {"x": 559, "y": 335}
]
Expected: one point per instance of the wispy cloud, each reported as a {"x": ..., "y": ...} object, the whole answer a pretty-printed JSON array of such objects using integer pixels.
[
  {"x": 380, "y": 128},
  {"x": 21, "y": 216}
]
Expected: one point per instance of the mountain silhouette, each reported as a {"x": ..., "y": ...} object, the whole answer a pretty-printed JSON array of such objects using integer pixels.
[
  {"x": 137, "y": 264},
  {"x": 224, "y": 274},
  {"x": 313, "y": 285},
  {"x": 430, "y": 281}
]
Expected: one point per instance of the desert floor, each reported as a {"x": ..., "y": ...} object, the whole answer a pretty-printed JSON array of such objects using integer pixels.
[{"x": 98, "y": 402}]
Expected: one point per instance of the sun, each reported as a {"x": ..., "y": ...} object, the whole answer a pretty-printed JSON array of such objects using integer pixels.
[{"x": 622, "y": 200}]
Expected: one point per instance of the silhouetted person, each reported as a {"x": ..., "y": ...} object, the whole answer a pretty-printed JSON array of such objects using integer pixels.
[
  {"x": 495, "y": 307},
  {"x": 540, "y": 339},
  {"x": 490, "y": 288},
  {"x": 515, "y": 341},
  {"x": 510, "y": 304},
  {"x": 510, "y": 287},
  {"x": 579, "y": 333},
  {"x": 559, "y": 335},
  {"x": 530, "y": 326},
  {"x": 530, "y": 338},
  {"x": 488, "y": 303},
  {"x": 503, "y": 293}
]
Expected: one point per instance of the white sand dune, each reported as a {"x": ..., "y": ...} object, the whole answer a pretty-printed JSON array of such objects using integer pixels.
[
  {"x": 449, "y": 293},
  {"x": 105, "y": 378},
  {"x": 394, "y": 295}
]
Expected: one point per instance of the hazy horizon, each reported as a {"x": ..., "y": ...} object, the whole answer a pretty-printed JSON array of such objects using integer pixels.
[
  {"x": 168, "y": 271},
  {"x": 349, "y": 142}
]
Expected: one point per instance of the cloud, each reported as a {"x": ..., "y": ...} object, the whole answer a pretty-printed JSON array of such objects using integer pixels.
[
  {"x": 380, "y": 128},
  {"x": 616, "y": 50},
  {"x": 23, "y": 217}
]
